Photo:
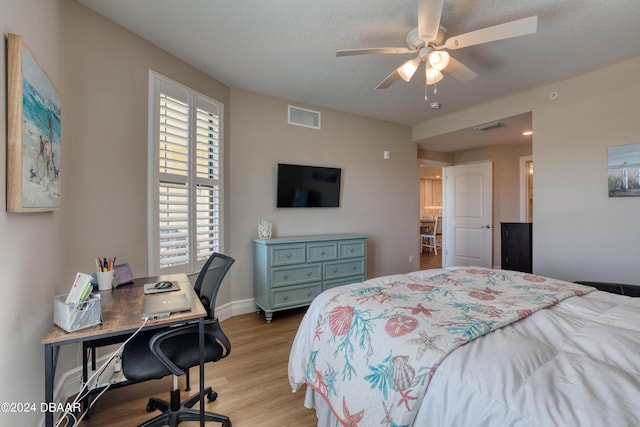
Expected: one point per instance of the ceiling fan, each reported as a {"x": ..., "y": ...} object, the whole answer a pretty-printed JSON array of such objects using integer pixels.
[{"x": 430, "y": 42}]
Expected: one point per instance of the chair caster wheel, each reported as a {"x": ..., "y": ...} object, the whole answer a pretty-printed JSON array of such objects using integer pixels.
[
  {"x": 211, "y": 396},
  {"x": 151, "y": 407}
]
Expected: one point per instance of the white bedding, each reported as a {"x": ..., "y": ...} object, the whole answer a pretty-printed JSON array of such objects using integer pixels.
[{"x": 576, "y": 363}]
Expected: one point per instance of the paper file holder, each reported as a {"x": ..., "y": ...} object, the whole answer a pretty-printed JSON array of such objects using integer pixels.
[{"x": 71, "y": 318}]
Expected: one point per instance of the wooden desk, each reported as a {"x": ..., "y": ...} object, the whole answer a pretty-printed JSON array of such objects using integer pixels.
[{"x": 121, "y": 317}]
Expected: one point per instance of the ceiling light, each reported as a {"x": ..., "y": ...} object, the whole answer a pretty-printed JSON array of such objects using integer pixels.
[
  {"x": 433, "y": 76},
  {"x": 407, "y": 69},
  {"x": 439, "y": 60},
  {"x": 527, "y": 132}
]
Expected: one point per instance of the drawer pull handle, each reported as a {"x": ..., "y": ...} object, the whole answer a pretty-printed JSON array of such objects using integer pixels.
[
  {"x": 355, "y": 267},
  {"x": 335, "y": 270},
  {"x": 352, "y": 250},
  {"x": 289, "y": 255},
  {"x": 286, "y": 277},
  {"x": 309, "y": 294},
  {"x": 323, "y": 253},
  {"x": 309, "y": 273},
  {"x": 285, "y": 298}
]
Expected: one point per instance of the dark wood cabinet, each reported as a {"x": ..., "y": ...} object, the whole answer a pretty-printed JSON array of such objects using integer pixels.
[{"x": 516, "y": 246}]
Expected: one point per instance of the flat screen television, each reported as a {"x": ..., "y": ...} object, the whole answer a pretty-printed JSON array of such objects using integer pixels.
[{"x": 302, "y": 186}]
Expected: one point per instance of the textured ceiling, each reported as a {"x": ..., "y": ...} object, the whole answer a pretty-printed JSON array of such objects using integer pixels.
[{"x": 286, "y": 48}]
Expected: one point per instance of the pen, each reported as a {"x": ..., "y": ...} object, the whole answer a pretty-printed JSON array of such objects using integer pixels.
[{"x": 105, "y": 264}]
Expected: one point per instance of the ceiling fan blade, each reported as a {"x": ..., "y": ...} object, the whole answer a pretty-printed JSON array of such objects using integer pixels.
[
  {"x": 391, "y": 78},
  {"x": 429, "y": 13},
  {"x": 459, "y": 71},
  {"x": 520, "y": 27},
  {"x": 374, "y": 51}
]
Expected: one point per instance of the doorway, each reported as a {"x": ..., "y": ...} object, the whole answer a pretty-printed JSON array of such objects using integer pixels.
[
  {"x": 526, "y": 189},
  {"x": 430, "y": 207}
]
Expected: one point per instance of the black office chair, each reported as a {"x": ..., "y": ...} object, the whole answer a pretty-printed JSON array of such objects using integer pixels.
[{"x": 153, "y": 354}]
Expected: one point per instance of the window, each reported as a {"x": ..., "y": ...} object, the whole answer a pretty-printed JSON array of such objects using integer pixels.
[{"x": 185, "y": 177}]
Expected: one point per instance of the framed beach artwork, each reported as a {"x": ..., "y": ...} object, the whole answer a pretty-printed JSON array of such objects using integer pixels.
[
  {"x": 624, "y": 170},
  {"x": 33, "y": 133}
]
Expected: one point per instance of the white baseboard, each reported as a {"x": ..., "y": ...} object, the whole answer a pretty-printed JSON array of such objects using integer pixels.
[{"x": 235, "y": 308}]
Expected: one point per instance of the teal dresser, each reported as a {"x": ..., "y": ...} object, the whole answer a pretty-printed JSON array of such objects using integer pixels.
[{"x": 290, "y": 272}]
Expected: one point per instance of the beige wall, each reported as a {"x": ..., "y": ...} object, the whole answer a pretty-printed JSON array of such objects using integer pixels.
[
  {"x": 101, "y": 72},
  {"x": 578, "y": 232},
  {"x": 30, "y": 244},
  {"x": 379, "y": 197},
  {"x": 506, "y": 184}
]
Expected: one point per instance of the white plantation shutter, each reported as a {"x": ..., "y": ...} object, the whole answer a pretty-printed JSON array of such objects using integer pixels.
[
  {"x": 208, "y": 167},
  {"x": 185, "y": 177}
]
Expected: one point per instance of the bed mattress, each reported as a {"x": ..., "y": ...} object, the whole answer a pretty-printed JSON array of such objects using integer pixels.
[{"x": 574, "y": 363}]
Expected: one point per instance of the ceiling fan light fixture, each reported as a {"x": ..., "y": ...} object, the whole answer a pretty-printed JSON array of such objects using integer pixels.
[
  {"x": 432, "y": 76},
  {"x": 439, "y": 59},
  {"x": 408, "y": 69}
]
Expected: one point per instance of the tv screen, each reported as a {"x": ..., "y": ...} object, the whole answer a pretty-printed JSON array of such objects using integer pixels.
[{"x": 308, "y": 186}]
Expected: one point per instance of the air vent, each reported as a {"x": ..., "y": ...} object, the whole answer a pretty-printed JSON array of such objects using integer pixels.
[
  {"x": 488, "y": 126},
  {"x": 303, "y": 117}
]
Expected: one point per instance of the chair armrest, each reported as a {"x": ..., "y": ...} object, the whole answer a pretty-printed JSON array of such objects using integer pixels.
[{"x": 211, "y": 328}]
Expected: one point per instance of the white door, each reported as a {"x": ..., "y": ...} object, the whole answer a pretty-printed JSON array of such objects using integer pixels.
[{"x": 468, "y": 214}]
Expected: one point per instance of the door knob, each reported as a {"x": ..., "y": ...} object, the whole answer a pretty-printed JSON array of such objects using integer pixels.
[{"x": 485, "y": 226}]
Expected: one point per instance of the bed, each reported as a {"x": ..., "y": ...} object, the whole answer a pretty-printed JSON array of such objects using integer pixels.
[{"x": 469, "y": 346}]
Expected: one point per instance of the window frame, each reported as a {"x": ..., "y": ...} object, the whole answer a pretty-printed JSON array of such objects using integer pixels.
[{"x": 161, "y": 84}]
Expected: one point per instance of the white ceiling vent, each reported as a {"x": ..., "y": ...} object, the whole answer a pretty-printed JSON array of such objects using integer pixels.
[
  {"x": 303, "y": 117},
  {"x": 488, "y": 126}
]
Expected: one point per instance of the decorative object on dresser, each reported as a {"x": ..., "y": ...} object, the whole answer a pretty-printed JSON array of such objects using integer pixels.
[
  {"x": 290, "y": 272},
  {"x": 264, "y": 230},
  {"x": 516, "y": 246}
]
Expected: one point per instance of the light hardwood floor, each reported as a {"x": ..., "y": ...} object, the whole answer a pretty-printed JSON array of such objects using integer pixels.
[
  {"x": 252, "y": 383},
  {"x": 430, "y": 260}
]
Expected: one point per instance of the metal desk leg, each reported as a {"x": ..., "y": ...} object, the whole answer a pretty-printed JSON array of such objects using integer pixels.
[
  {"x": 50, "y": 362},
  {"x": 85, "y": 372},
  {"x": 201, "y": 339}
]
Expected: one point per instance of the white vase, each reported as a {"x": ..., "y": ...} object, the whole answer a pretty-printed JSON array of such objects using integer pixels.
[{"x": 264, "y": 230}]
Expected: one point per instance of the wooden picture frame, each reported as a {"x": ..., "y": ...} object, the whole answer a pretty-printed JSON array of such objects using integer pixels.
[{"x": 33, "y": 133}]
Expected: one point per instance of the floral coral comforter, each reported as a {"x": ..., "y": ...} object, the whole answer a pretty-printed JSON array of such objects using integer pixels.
[{"x": 377, "y": 344}]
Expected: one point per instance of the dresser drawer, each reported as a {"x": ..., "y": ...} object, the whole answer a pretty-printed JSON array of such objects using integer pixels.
[
  {"x": 288, "y": 254},
  {"x": 298, "y": 296},
  {"x": 334, "y": 270},
  {"x": 326, "y": 251},
  {"x": 296, "y": 275},
  {"x": 351, "y": 249}
]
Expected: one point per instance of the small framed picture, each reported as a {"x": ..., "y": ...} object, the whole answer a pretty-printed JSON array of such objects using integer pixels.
[{"x": 624, "y": 170}]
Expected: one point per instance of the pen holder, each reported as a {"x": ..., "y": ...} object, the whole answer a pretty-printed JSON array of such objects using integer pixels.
[{"x": 105, "y": 279}]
